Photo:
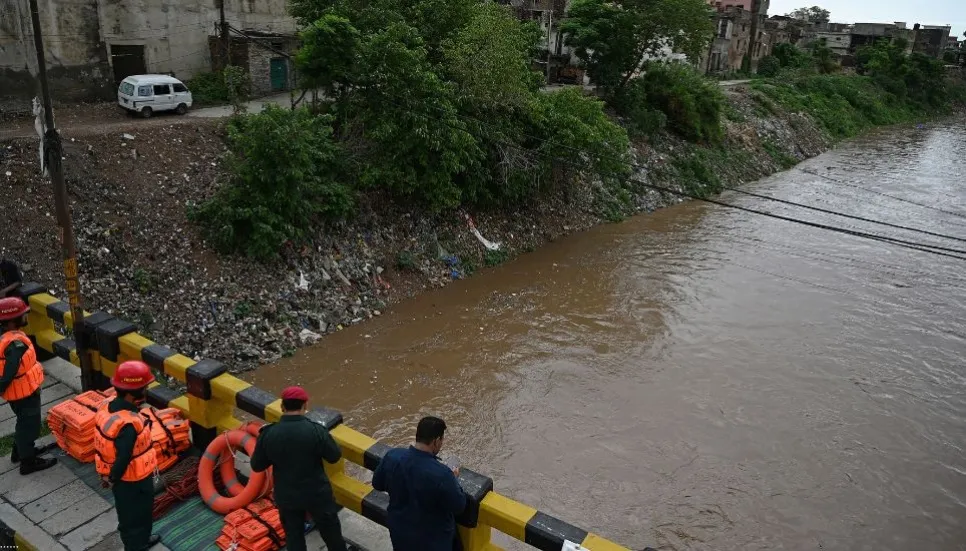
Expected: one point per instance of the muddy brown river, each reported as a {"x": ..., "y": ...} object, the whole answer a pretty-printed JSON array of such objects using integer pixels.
[{"x": 703, "y": 378}]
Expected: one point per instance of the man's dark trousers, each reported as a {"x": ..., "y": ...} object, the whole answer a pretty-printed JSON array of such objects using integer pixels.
[
  {"x": 28, "y": 424},
  {"x": 135, "y": 502},
  {"x": 293, "y": 521}
]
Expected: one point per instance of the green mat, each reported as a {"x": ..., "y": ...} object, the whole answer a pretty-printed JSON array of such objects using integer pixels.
[{"x": 188, "y": 526}]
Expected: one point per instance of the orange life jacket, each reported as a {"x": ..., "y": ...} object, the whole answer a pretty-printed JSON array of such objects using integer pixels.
[
  {"x": 30, "y": 374},
  {"x": 143, "y": 462}
]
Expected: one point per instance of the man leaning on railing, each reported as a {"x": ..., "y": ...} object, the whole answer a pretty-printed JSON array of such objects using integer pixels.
[{"x": 424, "y": 494}]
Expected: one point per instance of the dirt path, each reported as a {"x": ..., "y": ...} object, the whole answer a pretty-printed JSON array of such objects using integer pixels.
[{"x": 105, "y": 118}]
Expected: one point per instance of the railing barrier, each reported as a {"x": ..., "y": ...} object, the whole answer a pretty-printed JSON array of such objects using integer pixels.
[{"x": 213, "y": 395}]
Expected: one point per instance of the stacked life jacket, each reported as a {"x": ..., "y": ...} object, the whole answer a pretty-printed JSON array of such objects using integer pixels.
[
  {"x": 72, "y": 423},
  {"x": 255, "y": 527},
  {"x": 170, "y": 435},
  {"x": 30, "y": 374},
  {"x": 108, "y": 425}
]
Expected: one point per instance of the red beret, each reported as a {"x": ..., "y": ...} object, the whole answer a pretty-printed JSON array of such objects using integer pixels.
[{"x": 295, "y": 393}]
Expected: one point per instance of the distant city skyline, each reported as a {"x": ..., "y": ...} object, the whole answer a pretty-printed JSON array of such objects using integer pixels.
[{"x": 932, "y": 12}]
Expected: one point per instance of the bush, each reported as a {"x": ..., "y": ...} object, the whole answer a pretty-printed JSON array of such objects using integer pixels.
[
  {"x": 769, "y": 66},
  {"x": 208, "y": 88},
  {"x": 640, "y": 118},
  {"x": 286, "y": 178},
  {"x": 692, "y": 103},
  {"x": 790, "y": 56}
]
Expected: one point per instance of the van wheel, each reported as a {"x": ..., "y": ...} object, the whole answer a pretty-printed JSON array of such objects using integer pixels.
[
  {"x": 146, "y": 113},
  {"x": 182, "y": 109}
]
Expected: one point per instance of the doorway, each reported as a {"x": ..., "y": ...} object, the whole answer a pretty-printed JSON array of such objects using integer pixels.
[{"x": 127, "y": 61}]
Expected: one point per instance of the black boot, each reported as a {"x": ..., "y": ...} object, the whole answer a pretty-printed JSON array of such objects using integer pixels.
[
  {"x": 36, "y": 464},
  {"x": 152, "y": 541},
  {"x": 15, "y": 456}
]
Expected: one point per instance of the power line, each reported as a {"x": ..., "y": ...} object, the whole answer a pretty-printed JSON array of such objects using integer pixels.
[
  {"x": 876, "y": 192},
  {"x": 844, "y": 215}
]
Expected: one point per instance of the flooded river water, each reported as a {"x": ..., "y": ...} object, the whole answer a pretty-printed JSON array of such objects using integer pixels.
[{"x": 704, "y": 378}]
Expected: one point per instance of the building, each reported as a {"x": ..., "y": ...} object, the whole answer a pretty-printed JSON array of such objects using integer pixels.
[
  {"x": 930, "y": 39},
  {"x": 268, "y": 58},
  {"x": 92, "y": 45},
  {"x": 548, "y": 15},
  {"x": 732, "y": 41},
  {"x": 740, "y": 36},
  {"x": 839, "y": 42},
  {"x": 867, "y": 34}
]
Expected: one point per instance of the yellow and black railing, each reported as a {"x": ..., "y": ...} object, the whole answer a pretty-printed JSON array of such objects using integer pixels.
[{"x": 213, "y": 396}]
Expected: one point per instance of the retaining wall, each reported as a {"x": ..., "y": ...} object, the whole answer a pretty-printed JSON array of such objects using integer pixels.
[{"x": 213, "y": 396}]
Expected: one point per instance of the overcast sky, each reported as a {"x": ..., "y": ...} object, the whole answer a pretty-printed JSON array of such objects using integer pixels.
[{"x": 927, "y": 12}]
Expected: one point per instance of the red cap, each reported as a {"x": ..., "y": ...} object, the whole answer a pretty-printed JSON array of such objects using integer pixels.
[{"x": 295, "y": 393}]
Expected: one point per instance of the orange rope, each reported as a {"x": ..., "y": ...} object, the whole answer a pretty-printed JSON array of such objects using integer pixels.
[{"x": 177, "y": 491}]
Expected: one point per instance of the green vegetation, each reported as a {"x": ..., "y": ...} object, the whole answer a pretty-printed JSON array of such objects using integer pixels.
[
  {"x": 220, "y": 87},
  {"x": 779, "y": 155},
  {"x": 614, "y": 38},
  {"x": 6, "y": 442},
  {"x": 893, "y": 87},
  {"x": 433, "y": 104},
  {"x": 287, "y": 176},
  {"x": 430, "y": 103},
  {"x": 691, "y": 103},
  {"x": 208, "y": 88}
]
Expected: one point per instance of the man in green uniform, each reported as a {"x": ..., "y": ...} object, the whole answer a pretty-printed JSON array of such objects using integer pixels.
[
  {"x": 296, "y": 447},
  {"x": 125, "y": 456},
  {"x": 20, "y": 378}
]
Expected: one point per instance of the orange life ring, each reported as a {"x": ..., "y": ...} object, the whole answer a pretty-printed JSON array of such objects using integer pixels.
[
  {"x": 226, "y": 466},
  {"x": 215, "y": 453}
]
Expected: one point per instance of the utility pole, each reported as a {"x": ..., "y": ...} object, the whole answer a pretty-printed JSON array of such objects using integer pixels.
[
  {"x": 225, "y": 44},
  {"x": 549, "y": 34},
  {"x": 53, "y": 156}
]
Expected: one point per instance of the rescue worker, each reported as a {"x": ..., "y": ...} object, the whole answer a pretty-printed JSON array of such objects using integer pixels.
[
  {"x": 424, "y": 494},
  {"x": 296, "y": 447},
  {"x": 125, "y": 457},
  {"x": 20, "y": 378}
]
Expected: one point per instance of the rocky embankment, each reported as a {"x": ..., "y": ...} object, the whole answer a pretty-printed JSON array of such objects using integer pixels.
[{"x": 143, "y": 261}]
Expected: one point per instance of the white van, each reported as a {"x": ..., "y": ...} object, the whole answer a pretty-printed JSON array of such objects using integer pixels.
[{"x": 146, "y": 94}]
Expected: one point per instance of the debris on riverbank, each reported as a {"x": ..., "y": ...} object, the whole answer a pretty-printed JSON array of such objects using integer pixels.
[{"x": 143, "y": 261}]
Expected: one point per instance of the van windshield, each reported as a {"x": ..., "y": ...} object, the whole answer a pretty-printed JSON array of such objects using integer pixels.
[{"x": 127, "y": 88}]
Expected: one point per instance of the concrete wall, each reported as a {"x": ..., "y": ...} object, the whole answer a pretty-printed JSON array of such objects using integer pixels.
[
  {"x": 82, "y": 36},
  {"x": 76, "y": 60},
  {"x": 839, "y": 43}
]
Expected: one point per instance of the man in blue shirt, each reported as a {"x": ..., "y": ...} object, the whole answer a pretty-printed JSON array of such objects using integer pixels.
[{"x": 424, "y": 495}]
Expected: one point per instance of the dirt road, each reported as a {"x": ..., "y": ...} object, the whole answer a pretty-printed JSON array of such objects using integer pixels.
[{"x": 100, "y": 118}]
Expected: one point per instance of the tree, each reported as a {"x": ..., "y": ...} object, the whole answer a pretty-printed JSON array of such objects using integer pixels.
[
  {"x": 824, "y": 57},
  {"x": 613, "y": 38},
  {"x": 437, "y": 102},
  {"x": 327, "y": 58},
  {"x": 814, "y": 14}
]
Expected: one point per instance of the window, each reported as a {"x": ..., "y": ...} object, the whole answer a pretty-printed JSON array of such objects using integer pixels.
[
  {"x": 161, "y": 89},
  {"x": 144, "y": 91},
  {"x": 178, "y": 88},
  {"x": 127, "y": 88}
]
